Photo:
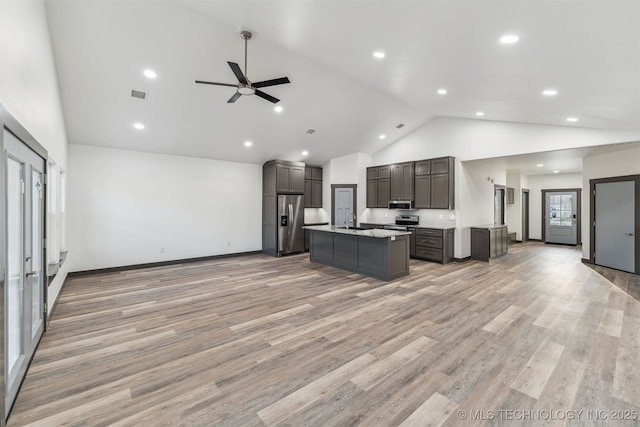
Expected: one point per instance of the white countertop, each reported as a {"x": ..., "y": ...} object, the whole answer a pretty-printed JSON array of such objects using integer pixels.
[{"x": 374, "y": 232}]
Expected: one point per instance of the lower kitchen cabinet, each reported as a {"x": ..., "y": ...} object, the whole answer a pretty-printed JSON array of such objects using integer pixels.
[
  {"x": 307, "y": 240},
  {"x": 434, "y": 244},
  {"x": 489, "y": 242}
]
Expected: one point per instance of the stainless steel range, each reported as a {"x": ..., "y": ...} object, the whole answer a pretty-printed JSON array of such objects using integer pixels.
[{"x": 403, "y": 222}]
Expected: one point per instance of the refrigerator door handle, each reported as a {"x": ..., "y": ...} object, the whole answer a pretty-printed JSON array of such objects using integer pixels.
[{"x": 290, "y": 217}]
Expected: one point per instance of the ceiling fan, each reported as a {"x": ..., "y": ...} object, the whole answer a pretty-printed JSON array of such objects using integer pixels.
[{"x": 244, "y": 85}]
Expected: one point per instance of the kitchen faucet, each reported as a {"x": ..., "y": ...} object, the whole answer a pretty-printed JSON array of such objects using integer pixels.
[{"x": 355, "y": 220}]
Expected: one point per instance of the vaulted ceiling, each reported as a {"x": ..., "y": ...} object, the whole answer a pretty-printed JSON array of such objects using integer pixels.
[{"x": 588, "y": 51}]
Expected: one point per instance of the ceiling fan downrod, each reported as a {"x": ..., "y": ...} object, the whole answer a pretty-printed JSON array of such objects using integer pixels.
[{"x": 246, "y": 35}]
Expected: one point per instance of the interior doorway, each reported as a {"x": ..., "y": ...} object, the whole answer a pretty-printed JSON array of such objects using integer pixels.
[
  {"x": 561, "y": 216},
  {"x": 22, "y": 189},
  {"x": 499, "y": 204},
  {"x": 344, "y": 205},
  {"x": 615, "y": 223},
  {"x": 525, "y": 215}
]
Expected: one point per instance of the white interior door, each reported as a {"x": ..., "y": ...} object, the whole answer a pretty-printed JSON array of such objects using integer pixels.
[
  {"x": 614, "y": 224},
  {"x": 343, "y": 208},
  {"x": 24, "y": 281},
  {"x": 561, "y": 212}
]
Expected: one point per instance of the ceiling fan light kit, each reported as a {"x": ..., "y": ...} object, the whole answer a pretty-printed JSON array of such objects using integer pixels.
[{"x": 244, "y": 85}]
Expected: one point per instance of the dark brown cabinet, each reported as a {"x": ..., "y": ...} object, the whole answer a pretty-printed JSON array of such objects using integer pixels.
[
  {"x": 402, "y": 177},
  {"x": 289, "y": 179},
  {"x": 489, "y": 242},
  {"x": 434, "y": 183},
  {"x": 378, "y": 186},
  {"x": 434, "y": 244},
  {"x": 313, "y": 187}
]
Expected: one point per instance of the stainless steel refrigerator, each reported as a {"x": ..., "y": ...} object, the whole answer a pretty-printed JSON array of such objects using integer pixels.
[{"x": 290, "y": 221}]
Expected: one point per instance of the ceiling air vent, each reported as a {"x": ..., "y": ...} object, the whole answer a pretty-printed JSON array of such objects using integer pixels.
[
  {"x": 310, "y": 131},
  {"x": 400, "y": 126},
  {"x": 138, "y": 94}
]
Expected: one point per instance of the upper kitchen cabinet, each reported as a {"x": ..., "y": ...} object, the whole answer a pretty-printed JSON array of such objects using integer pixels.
[
  {"x": 378, "y": 186},
  {"x": 313, "y": 187},
  {"x": 283, "y": 177},
  {"x": 402, "y": 181},
  {"x": 434, "y": 183},
  {"x": 290, "y": 178}
]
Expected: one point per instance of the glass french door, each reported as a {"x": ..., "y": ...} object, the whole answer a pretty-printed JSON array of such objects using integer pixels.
[{"x": 25, "y": 274}]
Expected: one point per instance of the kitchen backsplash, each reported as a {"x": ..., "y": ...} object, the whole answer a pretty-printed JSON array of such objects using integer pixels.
[
  {"x": 383, "y": 216},
  {"x": 313, "y": 215}
]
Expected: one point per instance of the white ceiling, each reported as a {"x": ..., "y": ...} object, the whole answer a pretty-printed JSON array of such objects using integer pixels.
[{"x": 588, "y": 50}]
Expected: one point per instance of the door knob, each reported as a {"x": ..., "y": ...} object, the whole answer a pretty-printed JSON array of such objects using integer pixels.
[{"x": 629, "y": 234}]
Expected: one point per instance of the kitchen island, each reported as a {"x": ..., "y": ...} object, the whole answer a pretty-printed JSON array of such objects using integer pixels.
[{"x": 383, "y": 254}]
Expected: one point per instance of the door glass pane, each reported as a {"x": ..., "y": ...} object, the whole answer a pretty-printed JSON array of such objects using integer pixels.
[
  {"x": 561, "y": 210},
  {"x": 35, "y": 281},
  {"x": 13, "y": 305}
]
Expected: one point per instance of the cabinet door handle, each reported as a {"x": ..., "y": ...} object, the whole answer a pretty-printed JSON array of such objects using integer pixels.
[
  {"x": 31, "y": 273},
  {"x": 629, "y": 234}
]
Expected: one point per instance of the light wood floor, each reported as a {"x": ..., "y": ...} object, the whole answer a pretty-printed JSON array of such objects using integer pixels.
[{"x": 255, "y": 340}]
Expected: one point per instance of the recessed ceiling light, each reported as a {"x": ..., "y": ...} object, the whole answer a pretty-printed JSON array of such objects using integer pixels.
[
  {"x": 382, "y": 136},
  {"x": 539, "y": 165},
  {"x": 442, "y": 91},
  {"x": 549, "y": 92},
  {"x": 248, "y": 144},
  {"x": 572, "y": 119},
  {"x": 509, "y": 39},
  {"x": 278, "y": 109},
  {"x": 138, "y": 126},
  {"x": 305, "y": 153},
  {"x": 379, "y": 54},
  {"x": 479, "y": 113},
  {"x": 150, "y": 74},
  {"x": 556, "y": 171}
]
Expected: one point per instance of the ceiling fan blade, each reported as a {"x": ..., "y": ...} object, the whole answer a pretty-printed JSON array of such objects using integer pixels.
[
  {"x": 266, "y": 96},
  {"x": 238, "y": 72},
  {"x": 234, "y": 98},
  {"x": 273, "y": 82},
  {"x": 216, "y": 84}
]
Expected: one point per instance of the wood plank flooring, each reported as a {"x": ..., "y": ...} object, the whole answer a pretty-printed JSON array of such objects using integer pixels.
[{"x": 533, "y": 338}]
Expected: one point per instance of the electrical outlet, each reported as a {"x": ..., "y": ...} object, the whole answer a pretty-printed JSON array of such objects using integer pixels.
[
  {"x": 161, "y": 250},
  {"x": 228, "y": 243},
  {"x": 386, "y": 214}
]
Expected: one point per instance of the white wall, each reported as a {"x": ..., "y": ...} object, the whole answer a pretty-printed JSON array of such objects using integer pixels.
[
  {"x": 537, "y": 183},
  {"x": 514, "y": 211},
  {"x": 604, "y": 165},
  {"x": 476, "y": 200},
  {"x": 469, "y": 139},
  {"x": 129, "y": 207},
  {"x": 29, "y": 85}
]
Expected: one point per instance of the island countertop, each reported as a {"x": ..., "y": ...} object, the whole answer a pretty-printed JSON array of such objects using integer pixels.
[{"x": 373, "y": 232}]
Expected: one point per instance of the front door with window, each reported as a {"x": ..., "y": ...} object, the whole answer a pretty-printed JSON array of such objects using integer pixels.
[
  {"x": 24, "y": 291},
  {"x": 561, "y": 217}
]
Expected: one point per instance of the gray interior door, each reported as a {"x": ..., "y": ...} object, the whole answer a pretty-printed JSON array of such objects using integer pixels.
[
  {"x": 561, "y": 222},
  {"x": 24, "y": 281},
  {"x": 343, "y": 207},
  {"x": 614, "y": 225}
]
